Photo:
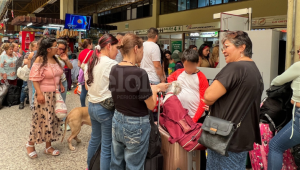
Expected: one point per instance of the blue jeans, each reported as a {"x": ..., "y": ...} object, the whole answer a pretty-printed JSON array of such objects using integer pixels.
[
  {"x": 24, "y": 94},
  {"x": 101, "y": 119},
  {"x": 130, "y": 141},
  {"x": 83, "y": 95},
  {"x": 64, "y": 94},
  {"x": 282, "y": 142}
]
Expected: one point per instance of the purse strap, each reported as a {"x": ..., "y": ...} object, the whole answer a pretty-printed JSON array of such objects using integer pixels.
[{"x": 86, "y": 56}]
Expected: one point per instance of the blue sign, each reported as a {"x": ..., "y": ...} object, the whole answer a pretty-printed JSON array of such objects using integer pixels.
[{"x": 77, "y": 22}]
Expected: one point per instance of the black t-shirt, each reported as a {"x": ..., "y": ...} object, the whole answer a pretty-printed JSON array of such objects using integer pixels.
[
  {"x": 244, "y": 85},
  {"x": 129, "y": 87}
]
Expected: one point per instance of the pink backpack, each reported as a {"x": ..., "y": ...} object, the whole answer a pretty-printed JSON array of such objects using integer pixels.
[
  {"x": 259, "y": 154},
  {"x": 180, "y": 125}
]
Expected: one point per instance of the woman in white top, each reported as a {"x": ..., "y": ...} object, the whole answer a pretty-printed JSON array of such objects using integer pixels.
[
  {"x": 289, "y": 136},
  {"x": 97, "y": 80}
]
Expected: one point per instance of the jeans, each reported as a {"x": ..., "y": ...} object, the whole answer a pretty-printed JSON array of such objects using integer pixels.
[
  {"x": 64, "y": 94},
  {"x": 101, "y": 119},
  {"x": 24, "y": 94},
  {"x": 282, "y": 142},
  {"x": 130, "y": 141},
  {"x": 83, "y": 95}
]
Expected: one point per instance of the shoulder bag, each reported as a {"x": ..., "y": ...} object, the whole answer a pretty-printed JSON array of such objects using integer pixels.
[
  {"x": 3, "y": 91},
  {"x": 217, "y": 133},
  {"x": 82, "y": 66},
  {"x": 60, "y": 108}
]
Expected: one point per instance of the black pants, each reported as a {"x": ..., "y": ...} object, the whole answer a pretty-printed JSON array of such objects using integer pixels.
[{"x": 202, "y": 153}]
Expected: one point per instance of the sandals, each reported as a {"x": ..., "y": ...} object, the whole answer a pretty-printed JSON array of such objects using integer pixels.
[
  {"x": 33, "y": 154},
  {"x": 54, "y": 153}
]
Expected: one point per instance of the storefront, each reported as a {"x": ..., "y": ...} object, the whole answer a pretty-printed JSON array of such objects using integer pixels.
[{"x": 198, "y": 34}]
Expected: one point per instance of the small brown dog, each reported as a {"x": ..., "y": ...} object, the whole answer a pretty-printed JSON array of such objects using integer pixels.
[{"x": 75, "y": 119}]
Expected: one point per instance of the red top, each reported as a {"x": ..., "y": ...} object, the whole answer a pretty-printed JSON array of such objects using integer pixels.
[
  {"x": 83, "y": 54},
  {"x": 203, "y": 85}
]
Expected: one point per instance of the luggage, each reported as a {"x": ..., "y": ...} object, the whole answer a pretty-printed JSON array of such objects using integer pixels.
[
  {"x": 259, "y": 155},
  {"x": 154, "y": 140},
  {"x": 95, "y": 161},
  {"x": 180, "y": 125},
  {"x": 3, "y": 92},
  {"x": 296, "y": 154},
  {"x": 175, "y": 157},
  {"x": 13, "y": 96},
  {"x": 155, "y": 163}
]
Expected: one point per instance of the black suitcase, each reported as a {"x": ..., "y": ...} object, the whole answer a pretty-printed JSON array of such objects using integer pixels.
[
  {"x": 95, "y": 161},
  {"x": 155, "y": 163},
  {"x": 13, "y": 96}
]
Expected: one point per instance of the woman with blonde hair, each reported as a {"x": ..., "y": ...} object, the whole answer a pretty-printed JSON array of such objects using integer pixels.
[
  {"x": 8, "y": 70},
  {"x": 215, "y": 56}
]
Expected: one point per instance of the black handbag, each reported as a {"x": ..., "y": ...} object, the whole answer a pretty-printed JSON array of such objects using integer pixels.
[
  {"x": 108, "y": 104},
  {"x": 217, "y": 133},
  {"x": 3, "y": 92}
]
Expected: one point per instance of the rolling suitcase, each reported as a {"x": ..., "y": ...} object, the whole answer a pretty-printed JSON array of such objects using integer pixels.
[
  {"x": 175, "y": 157},
  {"x": 259, "y": 154}
]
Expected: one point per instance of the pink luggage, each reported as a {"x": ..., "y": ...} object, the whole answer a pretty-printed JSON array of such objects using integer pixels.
[{"x": 259, "y": 154}]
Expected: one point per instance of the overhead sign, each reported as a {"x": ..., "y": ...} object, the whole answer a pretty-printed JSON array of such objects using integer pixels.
[
  {"x": 139, "y": 32},
  {"x": 209, "y": 34},
  {"x": 170, "y": 29},
  {"x": 280, "y": 20},
  {"x": 206, "y": 26}
]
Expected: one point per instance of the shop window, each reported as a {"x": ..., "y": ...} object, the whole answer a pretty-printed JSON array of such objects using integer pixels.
[
  {"x": 191, "y": 4},
  {"x": 181, "y": 5},
  {"x": 215, "y": 2},
  {"x": 203, "y": 3},
  {"x": 129, "y": 13},
  {"x": 168, "y": 6},
  {"x": 228, "y": 1},
  {"x": 133, "y": 13}
]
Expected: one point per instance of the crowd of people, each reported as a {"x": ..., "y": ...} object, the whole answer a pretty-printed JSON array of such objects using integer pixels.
[{"x": 122, "y": 76}]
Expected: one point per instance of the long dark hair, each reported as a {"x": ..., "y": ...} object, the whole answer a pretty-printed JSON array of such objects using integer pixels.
[
  {"x": 200, "y": 51},
  {"x": 44, "y": 44},
  {"x": 103, "y": 42},
  {"x": 166, "y": 61}
]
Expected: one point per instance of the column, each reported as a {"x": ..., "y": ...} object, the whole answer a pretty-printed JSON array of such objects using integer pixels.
[
  {"x": 95, "y": 18},
  {"x": 291, "y": 48},
  {"x": 155, "y": 13},
  {"x": 66, "y": 6}
]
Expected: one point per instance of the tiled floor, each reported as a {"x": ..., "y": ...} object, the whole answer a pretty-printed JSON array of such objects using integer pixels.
[{"x": 14, "y": 132}]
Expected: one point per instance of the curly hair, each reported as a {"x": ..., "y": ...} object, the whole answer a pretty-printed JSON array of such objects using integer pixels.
[
  {"x": 103, "y": 42},
  {"x": 5, "y": 47},
  {"x": 42, "y": 52}
]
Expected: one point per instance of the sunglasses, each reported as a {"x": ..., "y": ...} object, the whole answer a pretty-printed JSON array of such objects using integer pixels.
[{"x": 298, "y": 51}]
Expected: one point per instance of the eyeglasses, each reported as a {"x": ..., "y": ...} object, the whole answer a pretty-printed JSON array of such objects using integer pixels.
[
  {"x": 62, "y": 49},
  {"x": 54, "y": 47}
]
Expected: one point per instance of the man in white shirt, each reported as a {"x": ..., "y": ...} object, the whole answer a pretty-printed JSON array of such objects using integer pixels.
[
  {"x": 119, "y": 56},
  {"x": 152, "y": 57}
]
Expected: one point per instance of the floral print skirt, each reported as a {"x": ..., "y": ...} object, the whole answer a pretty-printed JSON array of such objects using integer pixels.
[{"x": 45, "y": 126}]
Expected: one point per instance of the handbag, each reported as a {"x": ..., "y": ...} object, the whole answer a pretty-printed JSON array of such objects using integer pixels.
[
  {"x": 82, "y": 66},
  {"x": 23, "y": 73},
  {"x": 217, "y": 133},
  {"x": 108, "y": 104},
  {"x": 60, "y": 108},
  {"x": 3, "y": 92}
]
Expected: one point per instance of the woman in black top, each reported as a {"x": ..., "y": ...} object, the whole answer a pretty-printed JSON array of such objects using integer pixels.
[
  {"x": 132, "y": 96},
  {"x": 237, "y": 87}
]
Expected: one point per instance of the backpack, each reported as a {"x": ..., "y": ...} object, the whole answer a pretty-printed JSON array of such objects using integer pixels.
[
  {"x": 180, "y": 125},
  {"x": 277, "y": 108}
]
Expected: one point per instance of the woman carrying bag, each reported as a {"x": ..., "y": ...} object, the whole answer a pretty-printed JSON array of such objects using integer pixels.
[
  {"x": 232, "y": 126},
  {"x": 45, "y": 75}
]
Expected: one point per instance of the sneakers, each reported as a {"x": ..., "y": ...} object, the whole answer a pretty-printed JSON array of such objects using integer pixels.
[{"x": 21, "y": 106}]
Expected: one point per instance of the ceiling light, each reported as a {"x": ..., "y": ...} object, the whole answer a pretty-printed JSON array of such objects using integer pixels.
[
  {"x": 56, "y": 25},
  {"x": 29, "y": 24},
  {"x": 51, "y": 1}
]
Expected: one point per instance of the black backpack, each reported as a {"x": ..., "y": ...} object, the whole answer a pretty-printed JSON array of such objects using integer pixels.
[{"x": 277, "y": 108}]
